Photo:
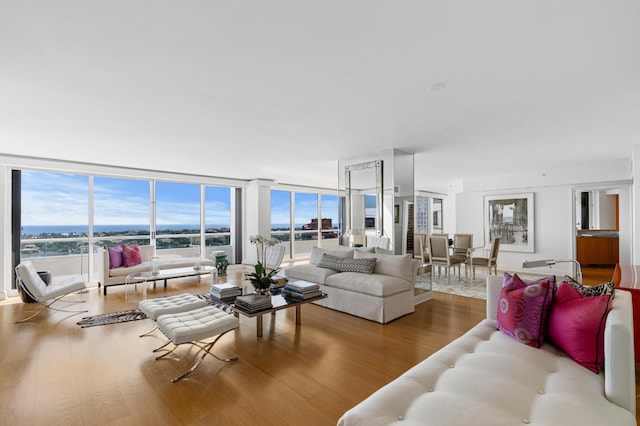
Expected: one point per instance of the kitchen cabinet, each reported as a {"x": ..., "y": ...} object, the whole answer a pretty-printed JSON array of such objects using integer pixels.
[{"x": 597, "y": 250}]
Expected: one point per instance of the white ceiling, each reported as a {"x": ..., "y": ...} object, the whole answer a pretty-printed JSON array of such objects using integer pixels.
[{"x": 282, "y": 89}]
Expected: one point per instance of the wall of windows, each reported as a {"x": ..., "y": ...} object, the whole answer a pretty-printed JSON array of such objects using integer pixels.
[
  {"x": 62, "y": 215},
  {"x": 302, "y": 220}
]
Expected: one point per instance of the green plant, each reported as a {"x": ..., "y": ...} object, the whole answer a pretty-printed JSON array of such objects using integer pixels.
[{"x": 262, "y": 278}]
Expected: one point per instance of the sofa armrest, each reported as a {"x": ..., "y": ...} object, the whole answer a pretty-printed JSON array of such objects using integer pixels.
[
  {"x": 619, "y": 363},
  {"x": 103, "y": 265},
  {"x": 494, "y": 286}
]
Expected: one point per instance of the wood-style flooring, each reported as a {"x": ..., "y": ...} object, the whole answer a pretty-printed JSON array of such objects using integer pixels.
[{"x": 54, "y": 372}]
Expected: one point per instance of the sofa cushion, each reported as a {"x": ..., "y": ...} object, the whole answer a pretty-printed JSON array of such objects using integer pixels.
[
  {"x": 163, "y": 263},
  {"x": 523, "y": 309},
  {"x": 116, "y": 259},
  {"x": 317, "y": 252},
  {"x": 310, "y": 273},
  {"x": 576, "y": 325},
  {"x": 364, "y": 266},
  {"x": 374, "y": 285},
  {"x": 604, "y": 289},
  {"x": 131, "y": 255},
  {"x": 400, "y": 266}
]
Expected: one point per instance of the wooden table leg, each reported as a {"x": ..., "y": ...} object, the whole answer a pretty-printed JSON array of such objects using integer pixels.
[{"x": 298, "y": 314}]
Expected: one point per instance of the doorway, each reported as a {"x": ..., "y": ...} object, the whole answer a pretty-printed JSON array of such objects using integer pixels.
[{"x": 602, "y": 230}]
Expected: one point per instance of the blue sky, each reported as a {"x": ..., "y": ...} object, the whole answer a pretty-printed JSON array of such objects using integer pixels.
[{"x": 62, "y": 199}]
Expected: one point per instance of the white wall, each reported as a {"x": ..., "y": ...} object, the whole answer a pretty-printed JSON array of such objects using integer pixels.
[{"x": 554, "y": 212}]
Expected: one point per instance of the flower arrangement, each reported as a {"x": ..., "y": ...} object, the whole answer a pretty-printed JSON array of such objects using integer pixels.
[{"x": 261, "y": 278}]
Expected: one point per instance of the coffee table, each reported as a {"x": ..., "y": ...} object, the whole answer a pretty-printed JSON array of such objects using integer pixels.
[
  {"x": 279, "y": 302},
  {"x": 146, "y": 277}
]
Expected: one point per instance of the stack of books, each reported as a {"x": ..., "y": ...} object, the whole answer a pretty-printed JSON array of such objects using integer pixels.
[
  {"x": 301, "y": 290},
  {"x": 253, "y": 303},
  {"x": 225, "y": 292},
  {"x": 279, "y": 281}
]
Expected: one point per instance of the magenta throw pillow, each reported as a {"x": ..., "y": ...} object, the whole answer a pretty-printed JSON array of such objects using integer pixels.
[
  {"x": 576, "y": 325},
  {"x": 523, "y": 309},
  {"x": 131, "y": 255},
  {"x": 115, "y": 257}
]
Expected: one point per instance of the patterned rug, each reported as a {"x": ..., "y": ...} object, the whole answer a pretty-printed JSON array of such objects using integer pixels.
[
  {"x": 476, "y": 289},
  {"x": 112, "y": 318}
]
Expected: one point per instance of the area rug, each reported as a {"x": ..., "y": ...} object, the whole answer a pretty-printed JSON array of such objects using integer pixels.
[
  {"x": 476, "y": 289},
  {"x": 112, "y": 318}
]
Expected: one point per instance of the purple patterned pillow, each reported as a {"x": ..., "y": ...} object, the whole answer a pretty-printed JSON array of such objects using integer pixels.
[
  {"x": 115, "y": 257},
  {"x": 523, "y": 308}
]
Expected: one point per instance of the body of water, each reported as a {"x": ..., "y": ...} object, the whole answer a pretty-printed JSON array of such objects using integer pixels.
[{"x": 98, "y": 229}]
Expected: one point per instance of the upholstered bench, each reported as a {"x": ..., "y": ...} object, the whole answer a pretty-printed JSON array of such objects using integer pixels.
[
  {"x": 153, "y": 308},
  {"x": 193, "y": 327}
]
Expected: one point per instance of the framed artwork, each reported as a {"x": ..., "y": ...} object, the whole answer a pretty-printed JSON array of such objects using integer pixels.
[
  {"x": 510, "y": 217},
  {"x": 396, "y": 213}
]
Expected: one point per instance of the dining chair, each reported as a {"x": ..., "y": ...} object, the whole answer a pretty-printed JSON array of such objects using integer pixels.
[
  {"x": 462, "y": 246},
  {"x": 439, "y": 256},
  {"x": 489, "y": 263}
]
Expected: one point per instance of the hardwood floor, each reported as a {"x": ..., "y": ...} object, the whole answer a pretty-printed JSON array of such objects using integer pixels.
[
  {"x": 596, "y": 275},
  {"x": 55, "y": 372}
]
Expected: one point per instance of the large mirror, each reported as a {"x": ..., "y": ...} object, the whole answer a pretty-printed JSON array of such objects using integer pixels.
[
  {"x": 597, "y": 209},
  {"x": 363, "y": 203}
]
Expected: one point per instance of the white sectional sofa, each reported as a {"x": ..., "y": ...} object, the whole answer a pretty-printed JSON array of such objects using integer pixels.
[
  {"x": 117, "y": 276},
  {"x": 486, "y": 377},
  {"x": 382, "y": 296}
]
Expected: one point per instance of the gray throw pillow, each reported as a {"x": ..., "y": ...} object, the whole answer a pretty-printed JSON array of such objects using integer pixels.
[{"x": 363, "y": 266}]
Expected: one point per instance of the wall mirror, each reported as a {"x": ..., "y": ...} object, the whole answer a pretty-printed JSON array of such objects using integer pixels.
[
  {"x": 363, "y": 202},
  {"x": 597, "y": 209}
]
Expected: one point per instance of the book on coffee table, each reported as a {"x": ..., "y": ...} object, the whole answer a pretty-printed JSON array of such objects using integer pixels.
[{"x": 253, "y": 303}]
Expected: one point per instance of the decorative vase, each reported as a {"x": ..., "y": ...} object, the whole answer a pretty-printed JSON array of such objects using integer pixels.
[
  {"x": 262, "y": 291},
  {"x": 221, "y": 262}
]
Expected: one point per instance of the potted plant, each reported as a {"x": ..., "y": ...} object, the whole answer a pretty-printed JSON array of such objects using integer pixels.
[{"x": 262, "y": 277}]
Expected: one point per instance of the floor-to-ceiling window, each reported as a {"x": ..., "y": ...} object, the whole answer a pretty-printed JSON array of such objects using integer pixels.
[
  {"x": 121, "y": 211},
  {"x": 55, "y": 219},
  {"x": 61, "y": 214},
  {"x": 302, "y": 220},
  {"x": 306, "y": 222},
  {"x": 217, "y": 215},
  {"x": 177, "y": 217},
  {"x": 330, "y": 223}
]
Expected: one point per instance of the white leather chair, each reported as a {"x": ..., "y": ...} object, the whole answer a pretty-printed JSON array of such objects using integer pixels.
[
  {"x": 381, "y": 242},
  {"x": 273, "y": 256},
  {"x": 46, "y": 295}
]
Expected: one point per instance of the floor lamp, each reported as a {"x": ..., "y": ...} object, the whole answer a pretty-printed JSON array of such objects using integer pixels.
[{"x": 550, "y": 262}]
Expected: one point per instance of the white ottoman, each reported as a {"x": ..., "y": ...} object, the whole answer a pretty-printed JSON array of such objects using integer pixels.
[
  {"x": 153, "y": 308},
  {"x": 170, "y": 305},
  {"x": 194, "y": 326}
]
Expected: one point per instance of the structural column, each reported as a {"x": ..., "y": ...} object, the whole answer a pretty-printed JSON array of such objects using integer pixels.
[{"x": 257, "y": 206}]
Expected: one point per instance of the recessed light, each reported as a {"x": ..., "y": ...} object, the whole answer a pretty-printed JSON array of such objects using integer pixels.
[{"x": 437, "y": 86}]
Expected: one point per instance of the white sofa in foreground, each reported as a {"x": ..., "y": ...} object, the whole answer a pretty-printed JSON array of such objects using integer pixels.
[
  {"x": 486, "y": 377},
  {"x": 118, "y": 276},
  {"x": 382, "y": 296}
]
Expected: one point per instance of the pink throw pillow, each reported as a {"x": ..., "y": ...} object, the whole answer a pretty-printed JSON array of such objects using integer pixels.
[
  {"x": 131, "y": 255},
  {"x": 523, "y": 309},
  {"x": 115, "y": 257},
  {"x": 576, "y": 325}
]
